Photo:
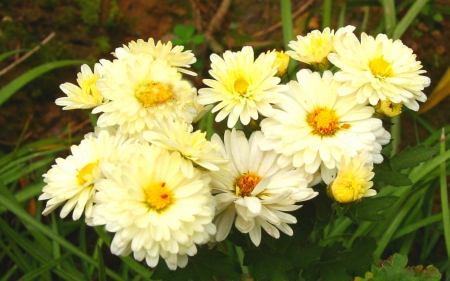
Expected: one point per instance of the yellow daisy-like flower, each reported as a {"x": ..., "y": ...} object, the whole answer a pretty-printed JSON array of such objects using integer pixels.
[
  {"x": 243, "y": 86},
  {"x": 352, "y": 181},
  {"x": 175, "y": 56},
  {"x": 195, "y": 149},
  {"x": 86, "y": 95},
  {"x": 379, "y": 69},
  {"x": 141, "y": 90},
  {"x": 72, "y": 180},
  {"x": 315, "y": 46},
  {"x": 153, "y": 209},
  {"x": 388, "y": 108}
]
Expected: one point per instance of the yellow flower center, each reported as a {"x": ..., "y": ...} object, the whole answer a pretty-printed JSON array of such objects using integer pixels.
[
  {"x": 346, "y": 189},
  {"x": 158, "y": 196},
  {"x": 381, "y": 68},
  {"x": 246, "y": 183},
  {"x": 154, "y": 93},
  {"x": 323, "y": 121},
  {"x": 241, "y": 85},
  {"x": 86, "y": 170}
]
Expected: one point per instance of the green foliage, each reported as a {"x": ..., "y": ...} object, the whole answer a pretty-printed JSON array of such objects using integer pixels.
[
  {"x": 369, "y": 209},
  {"x": 338, "y": 263},
  {"x": 394, "y": 269},
  {"x": 185, "y": 36},
  {"x": 90, "y": 11},
  {"x": 412, "y": 157},
  {"x": 199, "y": 268}
]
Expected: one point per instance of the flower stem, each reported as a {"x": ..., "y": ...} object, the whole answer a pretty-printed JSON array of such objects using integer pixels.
[{"x": 444, "y": 196}]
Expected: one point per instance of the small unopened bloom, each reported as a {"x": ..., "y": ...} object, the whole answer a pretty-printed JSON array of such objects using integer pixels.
[
  {"x": 352, "y": 181},
  {"x": 388, "y": 108},
  {"x": 281, "y": 62}
]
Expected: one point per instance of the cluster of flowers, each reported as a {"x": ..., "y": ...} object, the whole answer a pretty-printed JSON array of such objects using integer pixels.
[{"x": 163, "y": 188}]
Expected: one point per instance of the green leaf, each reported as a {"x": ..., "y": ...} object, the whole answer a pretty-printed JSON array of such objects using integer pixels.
[
  {"x": 412, "y": 157},
  {"x": 198, "y": 39},
  {"x": 385, "y": 173},
  {"x": 32, "y": 275},
  {"x": 199, "y": 268},
  {"x": 268, "y": 264},
  {"x": 307, "y": 256},
  {"x": 430, "y": 273},
  {"x": 12, "y": 87},
  {"x": 339, "y": 264},
  {"x": 369, "y": 208},
  {"x": 394, "y": 271}
]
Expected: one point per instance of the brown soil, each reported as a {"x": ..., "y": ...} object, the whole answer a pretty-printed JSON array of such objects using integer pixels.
[{"x": 26, "y": 23}]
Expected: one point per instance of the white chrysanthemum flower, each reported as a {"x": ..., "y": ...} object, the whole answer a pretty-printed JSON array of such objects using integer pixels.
[
  {"x": 315, "y": 46},
  {"x": 258, "y": 192},
  {"x": 72, "y": 180},
  {"x": 141, "y": 90},
  {"x": 243, "y": 86},
  {"x": 314, "y": 126},
  {"x": 86, "y": 95},
  {"x": 379, "y": 69},
  {"x": 153, "y": 208},
  {"x": 352, "y": 181},
  {"x": 195, "y": 149},
  {"x": 174, "y": 56}
]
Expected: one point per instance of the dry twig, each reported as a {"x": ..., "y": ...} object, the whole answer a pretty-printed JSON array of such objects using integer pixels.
[{"x": 29, "y": 53}]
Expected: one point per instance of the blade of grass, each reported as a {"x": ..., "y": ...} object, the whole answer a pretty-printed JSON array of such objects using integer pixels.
[
  {"x": 12, "y": 87},
  {"x": 417, "y": 225},
  {"x": 288, "y": 32},
  {"x": 35, "y": 250},
  {"x": 444, "y": 196},
  {"x": 132, "y": 263},
  {"x": 30, "y": 221},
  {"x": 10, "y": 53},
  {"x": 101, "y": 266},
  {"x": 408, "y": 18},
  {"x": 32, "y": 275},
  {"x": 326, "y": 19},
  {"x": 26, "y": 193},
  {"x": 10, "y": 272},
  {"x": 341, "y": 19},
  {"x": 389, "y": 16}
]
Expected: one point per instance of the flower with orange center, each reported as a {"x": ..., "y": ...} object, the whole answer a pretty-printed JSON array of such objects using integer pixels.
[
  {"x": 314, "y": 126},
  {"x": 141, "y": 90},
  {"x": 379, "y": 69},
  {"x": 153, "y": 209},
  {"x": 257, "y": 192}
]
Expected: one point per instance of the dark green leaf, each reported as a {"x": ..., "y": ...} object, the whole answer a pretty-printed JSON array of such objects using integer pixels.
[
  {"x": 369, "y": 208},
  {"x": 384, "y": 173},
  {"x": 307, "y": 256},
  {"x": 268, "y": 264},
  {"x": 204, "y": 266},
  {"x": 340, "y": 264},
  {"x": 412, "y": 157}
]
